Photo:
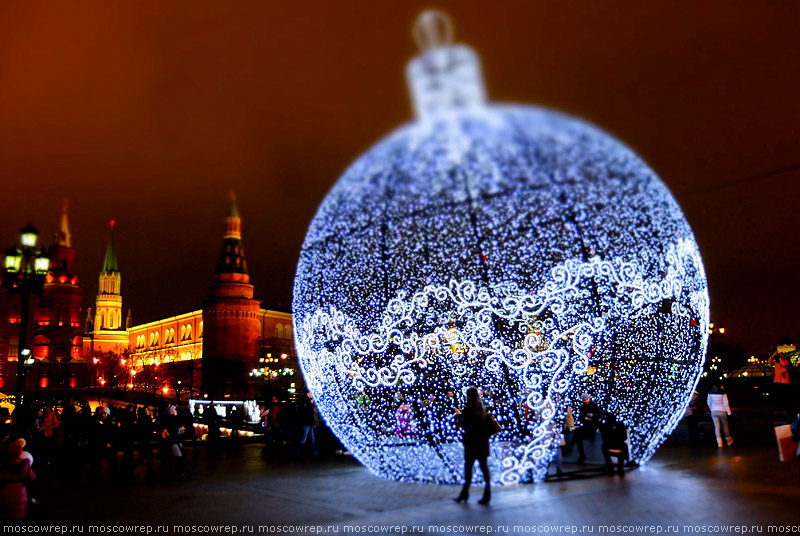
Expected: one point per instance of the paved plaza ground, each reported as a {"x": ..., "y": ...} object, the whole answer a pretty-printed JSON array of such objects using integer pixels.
[{"x": 680, "y": 486}]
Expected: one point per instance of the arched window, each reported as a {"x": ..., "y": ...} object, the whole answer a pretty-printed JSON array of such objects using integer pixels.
[
  {"x": 183, "y": 332},
  {"x": 13, "y": 347},
  {"x": 40, "y": 346},
  {"x": 279, "y": 331},
  {"x": 287, "y": 332},
  {"x": 188, "y": 331}
]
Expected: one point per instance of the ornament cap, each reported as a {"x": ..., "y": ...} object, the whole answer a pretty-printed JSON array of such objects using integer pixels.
[
  {"x": 432, "y": 29},
  {"x": 444, "y": 78}
]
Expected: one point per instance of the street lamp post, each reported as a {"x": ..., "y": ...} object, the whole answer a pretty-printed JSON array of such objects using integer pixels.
[
  {"x": 714, "y": 366},
  {"x": 25, "y": 271}
]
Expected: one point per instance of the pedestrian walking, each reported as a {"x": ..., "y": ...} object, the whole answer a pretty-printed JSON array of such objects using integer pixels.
[
  {"x": 309, "y": 419},
  {"x": 692, "y": 417},
  {"x": 589, "y": 416},
  {"x": 143, "y": 434},
  {"x": 172, "y": 445},
  {"x": 781, "y": 380},
  {"x": 615, "y": 435},
  {"x": 472, "y": 420},
  {"x": 564, "y": 438},
  {"x": 720, "y": 409}
]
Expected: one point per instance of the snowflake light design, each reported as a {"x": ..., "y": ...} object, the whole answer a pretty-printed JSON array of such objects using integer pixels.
[{"x": 512, "y": 248}]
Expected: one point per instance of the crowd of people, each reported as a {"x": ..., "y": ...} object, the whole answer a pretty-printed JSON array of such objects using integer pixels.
[
  {"x": 121, "y": 438},
  {"x": 112, "y": 441},
  {"x": 76, "y": 437},
  {"x": 479, "y": 425}
]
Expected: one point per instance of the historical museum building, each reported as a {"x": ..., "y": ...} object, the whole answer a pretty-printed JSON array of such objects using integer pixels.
[{"x": 54, "y": 335}]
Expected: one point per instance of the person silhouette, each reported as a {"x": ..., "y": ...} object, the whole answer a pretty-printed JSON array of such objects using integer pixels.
[{"x": 472, "y": 419}]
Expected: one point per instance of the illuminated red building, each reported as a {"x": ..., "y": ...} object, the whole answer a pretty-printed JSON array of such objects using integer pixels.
[{"x": 54, "y": 331}]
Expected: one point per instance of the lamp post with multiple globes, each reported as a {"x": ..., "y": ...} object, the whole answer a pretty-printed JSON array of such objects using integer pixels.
[
  {"x": 25, "y": 269},
  {"x": 714, "y": 367}
]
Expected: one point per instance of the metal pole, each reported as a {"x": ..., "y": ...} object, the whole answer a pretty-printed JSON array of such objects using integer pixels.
[{"x": 25, "y": 295}]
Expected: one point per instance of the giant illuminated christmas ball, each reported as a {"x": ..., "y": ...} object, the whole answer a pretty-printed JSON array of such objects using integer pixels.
[{"x": 512, "y": 248}]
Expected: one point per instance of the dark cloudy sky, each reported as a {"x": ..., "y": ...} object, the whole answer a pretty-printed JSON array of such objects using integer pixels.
[{"x": 149, "y": 112}]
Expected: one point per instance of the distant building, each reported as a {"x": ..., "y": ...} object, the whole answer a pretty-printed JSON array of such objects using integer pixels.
[
  {"x": 104, "y": 330},
  {"x": 232, "y": 348},
  {"x": 54, "y": 331}
]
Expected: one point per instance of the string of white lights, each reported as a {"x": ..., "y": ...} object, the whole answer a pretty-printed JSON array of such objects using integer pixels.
[{"x": 512, "y": 248}]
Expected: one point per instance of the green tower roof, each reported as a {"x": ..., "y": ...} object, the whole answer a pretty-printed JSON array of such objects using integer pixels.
[
  {"x": 233, "y": 212},
  {"x": 110, "y": 262}
]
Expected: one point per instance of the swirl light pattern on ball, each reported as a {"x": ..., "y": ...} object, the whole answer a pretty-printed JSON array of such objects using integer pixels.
[{"x": 511, "y": 248}]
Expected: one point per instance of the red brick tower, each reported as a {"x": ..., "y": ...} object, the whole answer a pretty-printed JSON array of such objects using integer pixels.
[{"x": 230, "y": 319}]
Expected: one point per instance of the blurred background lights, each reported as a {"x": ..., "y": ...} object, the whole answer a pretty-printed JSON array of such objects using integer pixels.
[{"x": 509, "y": 247}]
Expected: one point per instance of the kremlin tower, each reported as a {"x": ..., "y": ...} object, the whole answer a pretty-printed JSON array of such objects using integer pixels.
[
  {"x": 109, "y": 334},
  {"x": 230, "y": 318}
]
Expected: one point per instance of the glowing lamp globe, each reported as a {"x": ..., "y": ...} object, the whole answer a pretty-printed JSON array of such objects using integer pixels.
[{"x": 512, "y": 248}]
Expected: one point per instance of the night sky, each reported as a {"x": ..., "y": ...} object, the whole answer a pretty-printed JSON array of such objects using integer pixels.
[{"x": 150, "y": 112}]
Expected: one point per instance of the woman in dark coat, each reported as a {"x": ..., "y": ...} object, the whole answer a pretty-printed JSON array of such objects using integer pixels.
[{"x": 472, "y": 419}]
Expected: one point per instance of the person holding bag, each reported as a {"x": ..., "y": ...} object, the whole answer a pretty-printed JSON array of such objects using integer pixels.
[{"x": 473, "y": 420}]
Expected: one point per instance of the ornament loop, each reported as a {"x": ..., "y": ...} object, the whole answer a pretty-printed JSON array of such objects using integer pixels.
[{"x": 432, "y": 29}]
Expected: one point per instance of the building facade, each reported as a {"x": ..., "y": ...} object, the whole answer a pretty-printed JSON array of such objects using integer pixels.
[
  {"x": 232, "y": 348},
  {"x": 54, "y": 334}
]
